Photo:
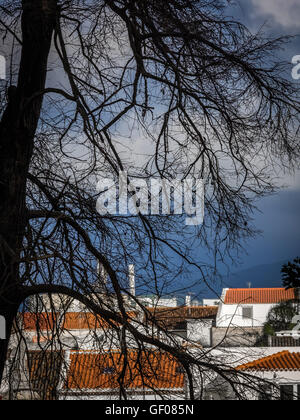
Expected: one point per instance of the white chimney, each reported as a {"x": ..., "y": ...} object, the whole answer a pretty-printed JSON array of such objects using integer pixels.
[
  {"x": 188, "y": 300},
  {"x": 131, "y": 279},
  {"x": 102, "y": 275}
]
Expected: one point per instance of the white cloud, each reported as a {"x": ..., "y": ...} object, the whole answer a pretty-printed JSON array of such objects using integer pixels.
[{"x": 284, "y": 12}]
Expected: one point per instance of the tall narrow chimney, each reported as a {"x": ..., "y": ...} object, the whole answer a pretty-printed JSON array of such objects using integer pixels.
[
  {"x": 102, "y": 276},
  {"x": 131, "y": 279},
  {"x": 188, "y": 300}
]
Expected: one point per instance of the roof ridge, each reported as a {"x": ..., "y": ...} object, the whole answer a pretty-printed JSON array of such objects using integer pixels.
[
  {"x": 283, "y": 360},
  {"x": 259, "y": 295},
  {"x": 258, "y": 288}
]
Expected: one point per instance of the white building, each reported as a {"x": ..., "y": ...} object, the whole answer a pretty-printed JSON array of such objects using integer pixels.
[
  {"x": 155, "y": 301},
  {"x": 249, "y": 307},
  {"x": 211, "y": 302},
  {"x": 280, "y": 376},
  {"x": 261, "y": 373}
]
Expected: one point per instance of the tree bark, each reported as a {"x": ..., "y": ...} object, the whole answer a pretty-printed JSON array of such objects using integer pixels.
[{"x": 17, "y": 130}]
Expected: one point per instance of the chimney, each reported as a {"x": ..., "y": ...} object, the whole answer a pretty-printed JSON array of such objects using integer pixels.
[
  {"x": 131, "y": 279},
  {"x": 102, "y": 276},
  {"x": 188, "y": 300}
]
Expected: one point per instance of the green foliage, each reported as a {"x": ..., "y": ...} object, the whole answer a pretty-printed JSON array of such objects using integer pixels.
[
  {"x": 268, "y": 329},
  {"x": 280, "y": 318},
  {"x": 291, "y": 274}
]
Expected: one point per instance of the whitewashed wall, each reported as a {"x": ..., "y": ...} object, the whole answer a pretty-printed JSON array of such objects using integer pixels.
[
  {"x": 199, "y": 331},
  {"x": 232, "y": 315}
]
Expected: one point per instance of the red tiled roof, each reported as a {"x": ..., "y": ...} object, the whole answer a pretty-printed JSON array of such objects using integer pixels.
[
  {"x": 70, "y": 321},
  {"x": 44, "y": 372},
  {"x": 272, "y": 295},
  {"x": 280, "y": 361},
  {"x": 144, "y": 370},
  {"x": 169, "y": 317}
]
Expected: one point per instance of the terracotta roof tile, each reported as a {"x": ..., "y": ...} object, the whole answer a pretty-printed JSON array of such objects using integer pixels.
[
  {"x": 271, "y": 295},
  {"x": 70, "y": 321},
  {"x": 145, "y": 370},
  {"x": 44, "y": 372},
  {"x": 169, "y": 317},
  {"x": 280, "y": 361}
]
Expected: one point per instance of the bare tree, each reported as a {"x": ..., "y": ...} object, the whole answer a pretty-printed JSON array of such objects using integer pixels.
[{"x": 208, "y": 99}]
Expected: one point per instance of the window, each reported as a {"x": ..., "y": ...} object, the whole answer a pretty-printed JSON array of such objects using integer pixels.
[
  {"x": 287, "y": 392},
  {"x": 180, "y": 369},
  {"x": 108, "y": 370},
  {"x": 247, "y": 312},
  {"x": 290, "y": 392}
]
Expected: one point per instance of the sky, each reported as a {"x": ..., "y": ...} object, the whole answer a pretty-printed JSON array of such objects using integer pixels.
[
  {"x": 277, "y": 216},
  {"x": 280, "y": 214}
]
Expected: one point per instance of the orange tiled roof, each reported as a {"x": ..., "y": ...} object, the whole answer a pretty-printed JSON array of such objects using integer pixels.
[
  {"x": 145, "y": 370},
  {"x": 271, "y": 295},
  {"x": 169, "y": 317},
  {"x": 279, "y": 361},
  {"x": 44, "y": 372},
  {"x": 69, "y": 320}
]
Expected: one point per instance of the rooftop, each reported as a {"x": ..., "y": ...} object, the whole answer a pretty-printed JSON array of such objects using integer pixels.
[
  {"x": 260, "y": 295},
  {"x": 170, "y": 317},
  {"x": 45, "y": 321},
  {"x": 143, "y": 370},
  {"x": 282, "y": 361}
]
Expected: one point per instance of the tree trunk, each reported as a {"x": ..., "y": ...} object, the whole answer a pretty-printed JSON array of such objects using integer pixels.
[
  {"x": 9, "y": 307},
  {"x": 17, "y": 130}
]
